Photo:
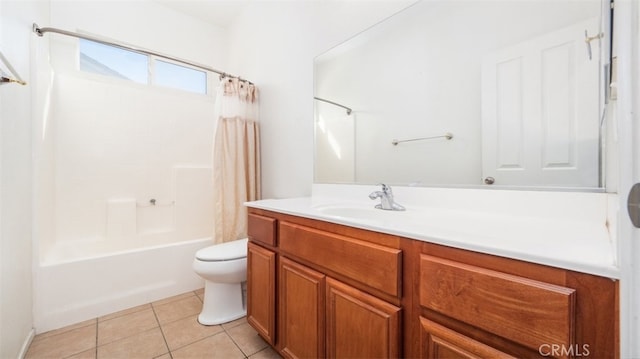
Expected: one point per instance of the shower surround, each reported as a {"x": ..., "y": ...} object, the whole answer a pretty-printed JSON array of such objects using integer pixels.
[{"x": 124, "y": 196}]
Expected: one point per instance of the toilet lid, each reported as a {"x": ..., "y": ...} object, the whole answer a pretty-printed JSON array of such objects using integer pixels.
[{"x": 224, "y": 251}]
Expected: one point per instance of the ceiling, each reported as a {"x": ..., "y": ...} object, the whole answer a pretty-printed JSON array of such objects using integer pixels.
[{"x": 218, "y": 12}]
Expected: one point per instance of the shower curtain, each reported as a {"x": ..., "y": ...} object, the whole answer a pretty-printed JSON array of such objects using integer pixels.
[{"x": 236, "y": 157}]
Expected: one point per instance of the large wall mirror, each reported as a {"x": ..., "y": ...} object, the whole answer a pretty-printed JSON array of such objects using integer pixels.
[{"x": 504, "y": 93}]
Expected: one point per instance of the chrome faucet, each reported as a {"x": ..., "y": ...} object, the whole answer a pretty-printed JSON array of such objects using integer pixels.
[{"x": 386, "y": 199}]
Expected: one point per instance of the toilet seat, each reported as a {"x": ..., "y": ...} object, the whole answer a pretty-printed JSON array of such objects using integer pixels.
[{"x": 223, "y": 252}]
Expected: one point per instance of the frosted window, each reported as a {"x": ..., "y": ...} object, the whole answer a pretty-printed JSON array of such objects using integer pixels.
[
  {"x": 180, "y": 77},
  {"x": 113, "y": 61}
]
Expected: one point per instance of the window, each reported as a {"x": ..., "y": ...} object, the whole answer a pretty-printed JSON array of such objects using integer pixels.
[
  {"x": 180, "y": 77},
  {"x": 113, "y": 61}
]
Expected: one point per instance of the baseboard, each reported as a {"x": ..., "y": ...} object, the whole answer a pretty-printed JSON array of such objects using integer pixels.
[{"x": 26, "y": 344}]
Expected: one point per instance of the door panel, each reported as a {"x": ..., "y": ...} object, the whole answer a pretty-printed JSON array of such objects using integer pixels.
[
  {"x": 540, "y": 111},
  {"x": 301, "y": 294},
  {"x": 360, "y": 325},
  {"x": 261, "y": 291}
]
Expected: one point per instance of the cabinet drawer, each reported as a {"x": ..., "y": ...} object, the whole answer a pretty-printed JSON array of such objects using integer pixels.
[
  {"x": 528, "y": 312},
  {"x": 262, "y": 229},
  {"x": 376, "y": 266},
  {"x": 437, "y": 341}
]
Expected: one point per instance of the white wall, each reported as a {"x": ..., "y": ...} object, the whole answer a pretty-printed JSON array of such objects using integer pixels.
[
  {"x": 273, "y": 44},
  {"x": 16, "y": 110},
  {"x": 627, "y": 133},
  {"x": 143, "y": 23}
]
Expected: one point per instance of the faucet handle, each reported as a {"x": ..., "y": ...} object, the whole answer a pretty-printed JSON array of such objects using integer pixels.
[{"x": 386, "y": 189}]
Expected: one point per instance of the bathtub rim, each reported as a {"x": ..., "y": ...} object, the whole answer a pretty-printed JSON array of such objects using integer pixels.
[{"x": 44, "y": 263}]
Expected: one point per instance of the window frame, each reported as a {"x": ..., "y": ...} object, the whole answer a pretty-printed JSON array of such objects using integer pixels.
[{"x": 151, "y": 71}]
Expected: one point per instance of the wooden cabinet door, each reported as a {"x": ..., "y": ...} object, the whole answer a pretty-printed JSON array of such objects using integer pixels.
[
  {"x": 439, "y": 342},
  {"x": 301, "y": 304},
  {"x": 360, "y": 325},
  {"x": 261, "y": 291}
]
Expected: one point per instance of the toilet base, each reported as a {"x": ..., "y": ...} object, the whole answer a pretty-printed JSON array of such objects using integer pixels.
[{"x": 222, "y": 303}]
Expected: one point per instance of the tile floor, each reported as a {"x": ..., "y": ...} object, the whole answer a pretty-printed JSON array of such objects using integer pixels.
[{"x": 164, "y": 329}]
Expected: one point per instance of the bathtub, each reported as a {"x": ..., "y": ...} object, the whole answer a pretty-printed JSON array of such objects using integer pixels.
[{"x": 75, "y": 283}]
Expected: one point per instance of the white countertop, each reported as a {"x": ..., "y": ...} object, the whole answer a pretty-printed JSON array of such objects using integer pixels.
[{"x": 570, "y": 231}]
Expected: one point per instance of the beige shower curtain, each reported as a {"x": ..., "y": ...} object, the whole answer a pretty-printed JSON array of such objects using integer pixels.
[{"x": 236, "y": 157}]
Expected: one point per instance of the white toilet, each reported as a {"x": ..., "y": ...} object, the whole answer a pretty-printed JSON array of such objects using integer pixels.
[{"x": 224, "y": 269}]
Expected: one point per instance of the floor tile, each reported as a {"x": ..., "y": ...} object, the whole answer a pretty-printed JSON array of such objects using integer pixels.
[
  {"x": 151, "y": 331},
  {"x": 174, "y": 298},
  {"x": 125, "y": 312},
  {"x": 178, "y": 309},
  {"x": 217, "y": 346},
  {"x": 126, "y": 325},
  {"x": 67, "y": 328},
  {"x": 234, "y": 323},
  {"x": 187, "y": 331},
  {"x": 87, "y": 354},
  {"x": 62, "y": 345},
  {"x": 247, "y": 339},
  {"x": 199, "y": 292},
  {"x": 266, "y": 353},
  {"x": 149, "y": 344}
]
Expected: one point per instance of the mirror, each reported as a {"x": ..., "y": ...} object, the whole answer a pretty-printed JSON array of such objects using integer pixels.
[{"x": 514, "y": 83}]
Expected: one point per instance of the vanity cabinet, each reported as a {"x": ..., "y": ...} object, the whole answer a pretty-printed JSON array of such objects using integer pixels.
[
  {"x": 320, "y": 316},
  {"x": 318, "y": 289},
  {"x": 261, "y": 282},
  {"x": 261, "y": 276},
  {"x": 479, "y": 305},
  {"x": 526, "y": 311},
  {"x": 338, "y": 295}
]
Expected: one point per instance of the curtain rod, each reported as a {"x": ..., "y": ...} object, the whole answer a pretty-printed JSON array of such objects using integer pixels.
[
  {"x": 335, "y": 103},
  {"x": 40, "y": 31}
]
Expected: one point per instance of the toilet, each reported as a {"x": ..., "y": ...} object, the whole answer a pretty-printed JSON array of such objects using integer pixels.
[{"x": 224, "y": 269}]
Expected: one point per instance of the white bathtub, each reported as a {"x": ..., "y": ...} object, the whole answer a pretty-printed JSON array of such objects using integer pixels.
[{"x": 78, "y": 286}]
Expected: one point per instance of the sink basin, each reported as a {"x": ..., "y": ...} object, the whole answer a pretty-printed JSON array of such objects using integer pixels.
[
  {"x": 351, "y": 212},
  {"x": 358, "y": 212},
  {"x": 411, "y": 218}
]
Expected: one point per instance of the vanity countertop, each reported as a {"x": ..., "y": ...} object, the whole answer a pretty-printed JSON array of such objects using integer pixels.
[{"x": 572, "y": 233}]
